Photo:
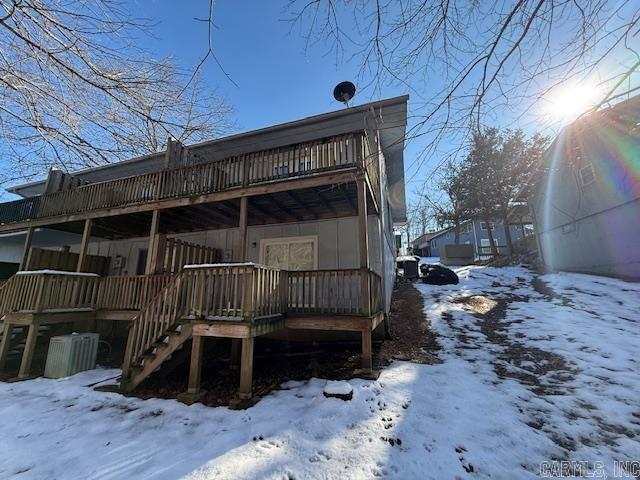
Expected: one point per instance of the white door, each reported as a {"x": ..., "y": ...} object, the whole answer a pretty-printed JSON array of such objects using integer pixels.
[{"x": 294, "y": 253}]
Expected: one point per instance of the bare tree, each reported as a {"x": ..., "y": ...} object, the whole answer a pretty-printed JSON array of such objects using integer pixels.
[
  {"x": 480, "y": 60},
  {"x": 453, "y": 207},
  {"x": 76, "y": 90}
]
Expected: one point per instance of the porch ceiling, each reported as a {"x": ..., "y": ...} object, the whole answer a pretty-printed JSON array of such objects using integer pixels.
[{"x": 282, "y": 207}]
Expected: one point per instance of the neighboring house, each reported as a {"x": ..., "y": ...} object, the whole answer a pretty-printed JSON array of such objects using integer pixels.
[
  {"x": 472, "y": 232},
  {"x": 301, "y": 214},
  {"x": 585, "y": 200},
  {"x": 421, "y": 246}
]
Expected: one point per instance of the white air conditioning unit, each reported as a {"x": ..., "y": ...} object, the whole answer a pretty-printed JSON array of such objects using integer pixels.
[{"x": 70, "y": 354}]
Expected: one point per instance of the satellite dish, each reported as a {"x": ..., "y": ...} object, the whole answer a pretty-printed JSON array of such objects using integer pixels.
[{"x": 344, "y": 92}]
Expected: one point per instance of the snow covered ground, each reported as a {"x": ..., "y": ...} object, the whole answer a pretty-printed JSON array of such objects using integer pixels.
[{"x": 537, "y": 369}]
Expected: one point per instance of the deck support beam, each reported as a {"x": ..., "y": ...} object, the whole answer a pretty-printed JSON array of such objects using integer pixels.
[
  {"x": 246, "y": 369},
  {"x": 84, "y": 244},
  {"x": 153, "y": 241},
  {"x": 193, "y": 393},
  {"x": 7, "y": 332},
  {"x": 242, "y": 251},
  {"x": 29, "y": 348},
  {"x": 195, "y": 369},
  {"x": 363, "y": 237},
  {"x": 27, "y": 248}
]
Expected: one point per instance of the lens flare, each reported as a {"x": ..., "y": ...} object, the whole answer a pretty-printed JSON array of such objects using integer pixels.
[
  {"x": 570, "y": 101},
  {"x": 610, "y": 143}
]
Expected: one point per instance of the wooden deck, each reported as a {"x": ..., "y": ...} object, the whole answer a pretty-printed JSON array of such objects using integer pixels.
[
  {"x": 240, "y": 301},
  {"x": 201, "y": 182},
  {"x": 173, "y": 304}
]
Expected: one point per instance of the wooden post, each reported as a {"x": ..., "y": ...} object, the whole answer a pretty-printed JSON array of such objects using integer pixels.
[
  {"x": 242, "y": 251},
  {"x": 27, "y": 248},
  {"x": 159, "y": 250},
  {"x": 246, "y": 369},
  {"x": 367, "y": 363},
  {"x": 29, "y": 347},
  {"x": 7, "y": 331},
  {"x": 84, "y": 244},
  {"x": 153, "y": 232},
  {"x": 195, "y": 368},
  {"x": 364, "y": 245}
]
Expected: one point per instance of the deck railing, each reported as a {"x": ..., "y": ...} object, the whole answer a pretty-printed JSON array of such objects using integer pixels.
[
  {"x": 240, "y": 291},
  {"x": 202, "y": 178},
  {"x": 48, "y": 290},
  {"x": 129, "y": 292},
  {"x": 333, "y": 292},
  {"x": 44, "y": 291},
  {"x": 19, "y": 210}
]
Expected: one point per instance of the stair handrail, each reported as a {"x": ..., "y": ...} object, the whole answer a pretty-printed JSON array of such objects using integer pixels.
[
  {"x": 139, "y": 332},
  {"x": 4, "y": 288}
]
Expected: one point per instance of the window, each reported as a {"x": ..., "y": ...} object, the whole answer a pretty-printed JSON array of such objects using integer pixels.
[
  {"x": 483, "y": 226},
  {"x": 587, "y": 175}
]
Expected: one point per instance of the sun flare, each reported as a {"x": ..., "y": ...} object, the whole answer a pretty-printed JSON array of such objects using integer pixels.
[{"x": 568, "y": 102}]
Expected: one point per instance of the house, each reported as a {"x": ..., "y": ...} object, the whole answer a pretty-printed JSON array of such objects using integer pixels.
[
  {"x": 474, "y": 232},
  {"x": 284, "y": 228},
  {"x": 585, "y": 197},
  {"x": 421, "y": 246}
]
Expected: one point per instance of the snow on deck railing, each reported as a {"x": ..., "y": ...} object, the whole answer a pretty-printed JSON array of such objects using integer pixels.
[
  {"x": 56, "y": 272},
  {"x": 214, "y": 265}
]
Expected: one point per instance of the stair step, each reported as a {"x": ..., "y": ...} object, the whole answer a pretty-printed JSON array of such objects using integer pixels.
[
  {"x": 160, "y": 345},
  {"x": 149, "y": 356}
]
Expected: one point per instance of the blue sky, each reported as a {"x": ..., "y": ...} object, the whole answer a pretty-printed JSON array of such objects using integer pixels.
[{"x": 278, "y": 79}]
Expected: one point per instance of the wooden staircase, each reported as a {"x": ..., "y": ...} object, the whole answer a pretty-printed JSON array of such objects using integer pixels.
[
  {"x": 233, "y": 294},
  {"x": 159, "y": 353},
  {"x": 155, "y": 334}
]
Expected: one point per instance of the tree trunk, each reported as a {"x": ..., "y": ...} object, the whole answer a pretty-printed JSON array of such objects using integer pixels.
[
  {"x": 456, "y": 232},
  {"x": 494, "y": 248},
  {"x": 507, "y": 234}
]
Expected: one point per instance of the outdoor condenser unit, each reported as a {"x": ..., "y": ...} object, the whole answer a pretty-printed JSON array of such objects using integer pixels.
[{"x": 70, "y": 354}]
